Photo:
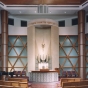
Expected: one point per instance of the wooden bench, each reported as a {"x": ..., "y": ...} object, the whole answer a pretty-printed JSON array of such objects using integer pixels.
[
  {"x": 22, "y": 81},
  {"x": 23, "y": 84},
  {"x": 69, "y": 80},
  {"x": 1, "y": 82},
  {"x": 18, "y": 79},
  {"x": 83, "y": 84}
]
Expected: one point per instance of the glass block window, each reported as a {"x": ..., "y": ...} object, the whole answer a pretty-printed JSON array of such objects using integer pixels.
[
  {"x": 68, "y": 55},
  {"x": 62, "y": 23},
  {"x": 17, "y": 53},
  {"x": 75, "y": 21},
  {"x": 23, "y": 23},
  {"x": 10, "y": 21}
]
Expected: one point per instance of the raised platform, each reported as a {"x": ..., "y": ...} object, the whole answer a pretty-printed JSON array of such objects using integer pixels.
[{"x": 43, "y": 76}]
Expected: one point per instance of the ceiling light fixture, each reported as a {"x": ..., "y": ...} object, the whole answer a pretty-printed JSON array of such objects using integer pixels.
[{"x": 64, "y": 12}]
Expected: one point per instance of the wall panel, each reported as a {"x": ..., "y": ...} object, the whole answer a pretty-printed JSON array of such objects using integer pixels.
[
  {"x": 68, "y": 53},
  {"x": 17, "y": 53}
]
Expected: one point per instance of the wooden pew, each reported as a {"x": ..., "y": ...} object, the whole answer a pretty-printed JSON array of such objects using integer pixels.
[
  {"x": 12, "y": 83},
  {"x": 7, "y": 83},
  {"x": 22, "y": 81},
  {"x": 83, "y": 84},
  {"x": 18, "y": 79},
  {"x": 1, "y": 82},
  {"x": 69, "y": 80},
  {"x": 23, "y": 84},
  {"x": 70, "y": 84}
]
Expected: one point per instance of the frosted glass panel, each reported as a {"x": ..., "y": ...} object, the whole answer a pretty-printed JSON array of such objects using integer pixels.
[
  {"x": 86, "y": 64},
  {"x": 67, "y": 69},
  {"x": 18, "y": 42},
  {"x": 61, "y": 72},
  {"x": 12, "y": 39},
  {"x": 12, "y": 53},
  {"x": 76, "y": 48},
  {"x": 76, "y": 64},
  {"x": 73, "y": 60},
  {"x": 61, "y": 52},
  {"x": 73, "y": 53},
  {"x": 9, "y": 44},
  {"x": 18, "y": 69},
  {"x": 67, "y": 63},
  {"x": 86, "y": 48},
  {"x": 67, "y": 43},
  {"x": 9, "y": 64},
  {"x": 62, "y": 60},
  {"x": 61, "y": 39},
  {"x": 24, "y": 39},
  {"x": 9, "y": 48},
  {"x": 73, "y": 39},
  {"x": 86, "y": 70},
  {"x": 87, "y": 76},
  {"x": 24, "y": 60},
  {"x": 86, "y": 42},
  {"x": 76, "y": 69},
  {"x": 18, "y": 63},
  {"x": 24, "y": 52},
  {"x": 18, "y": 50},
  {"x": 12, "y": 60},
  {"x": 67, "y": 50}
]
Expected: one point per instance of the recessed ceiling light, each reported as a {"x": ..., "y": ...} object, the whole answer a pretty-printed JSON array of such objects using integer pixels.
[
  {"x": 35, "y": 11},
  {"x": 64, "y": 12}
]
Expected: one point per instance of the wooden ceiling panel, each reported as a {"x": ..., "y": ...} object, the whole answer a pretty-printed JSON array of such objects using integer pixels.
[
  {"x": 21, "y": 2},
  {"x": 53, "y": 2},
  {"x": 38, "y": 2},
  {"x": 73, "y": 1}
]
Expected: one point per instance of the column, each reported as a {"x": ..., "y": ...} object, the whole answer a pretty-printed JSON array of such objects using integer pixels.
[
  {"x": 4, "y": 31},
  {"x": 81, "y": 43}
]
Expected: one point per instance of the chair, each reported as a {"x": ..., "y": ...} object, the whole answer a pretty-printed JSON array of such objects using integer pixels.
[
  {"x": 74, "y": 74},
  {"x": 23, "y": 73},
  {"x": 69, "y": 74},
  {"x": 64, "y": 74},
  {"x": 15, "y": 73},
  {"x": 19, "y": 73}
]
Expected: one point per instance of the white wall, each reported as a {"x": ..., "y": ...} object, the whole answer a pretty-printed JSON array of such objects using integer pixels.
[
  {"x": 67, "y": 30},
  {"x": 17, "y": 21},
  {"x": 72, "y": 30},
  {"x": 13, "y": 30}
]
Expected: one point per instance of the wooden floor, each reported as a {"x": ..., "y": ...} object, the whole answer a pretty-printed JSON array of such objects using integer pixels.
[{"x": 46, "y": 85}]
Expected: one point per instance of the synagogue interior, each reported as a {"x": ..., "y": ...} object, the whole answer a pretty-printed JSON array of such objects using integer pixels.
[{"x": 43, "y": 43}]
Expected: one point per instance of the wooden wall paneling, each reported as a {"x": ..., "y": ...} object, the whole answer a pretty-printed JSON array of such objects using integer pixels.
[{"x": 38, "y": 2}]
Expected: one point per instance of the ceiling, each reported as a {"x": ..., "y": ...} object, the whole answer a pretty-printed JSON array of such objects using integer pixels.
[
  {"x": 43, "y": 7},
  {"x": 38, "y": 2}
]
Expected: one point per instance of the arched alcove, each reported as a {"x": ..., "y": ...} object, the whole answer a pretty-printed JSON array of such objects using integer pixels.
[{"x": 43, "y": 44}]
